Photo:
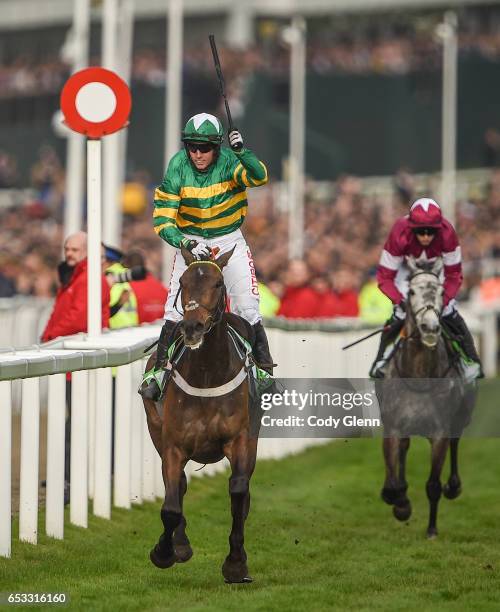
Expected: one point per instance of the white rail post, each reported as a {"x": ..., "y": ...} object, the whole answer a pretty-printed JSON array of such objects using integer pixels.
[
  {"x": 296, "y": 36},
  {"x": 103, "y": 436},
  {"x": 489, "y": 343},
  {"x": 5, "y": 468},
  {"x": 123, "y": 416},
  {"x": 54, "y": 514},
  {"x": 173, "y": 102},
  {"x": 125, "y": 48},
  {"x": 30, "y": 442},
  {"x": 112, "y": 142},
  {"x": 92, "y": 374},
  {"x": 79, "y": 449},
  {"x": 75, "y": 157},
  {"x": 94, "y": 308},
  {"x": 448, "y": 32},
  {"x": 136, "y": 441}
]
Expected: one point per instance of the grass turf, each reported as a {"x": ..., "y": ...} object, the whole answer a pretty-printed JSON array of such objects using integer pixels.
[{"x": 318, "y": 537}]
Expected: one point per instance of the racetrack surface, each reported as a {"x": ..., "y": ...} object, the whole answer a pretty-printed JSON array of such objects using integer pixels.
[{"x": 318, "y": 537}]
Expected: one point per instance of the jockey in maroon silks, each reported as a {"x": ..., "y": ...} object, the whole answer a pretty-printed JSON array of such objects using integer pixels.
[{"x": 424, "y": 234}]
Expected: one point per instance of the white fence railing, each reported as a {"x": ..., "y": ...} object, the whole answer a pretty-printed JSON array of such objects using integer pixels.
[
  {"x": 137, "y": 467},
  {"x": 303, "y": 350},
  {"x": 22, "y": 321}
]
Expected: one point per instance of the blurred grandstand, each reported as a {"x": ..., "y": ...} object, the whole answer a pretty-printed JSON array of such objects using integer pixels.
[{"x": 373, "y": 134}]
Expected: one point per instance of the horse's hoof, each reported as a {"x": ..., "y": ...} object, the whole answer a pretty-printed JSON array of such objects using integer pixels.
[
  {"x": 160, "y": 560},
  {"x": 235, "y": 572},
  {"x": 432, "y": 534},
  {"x": 246, "y": 579},
  {"x": 183, "y": 553},
  {"x": 402, "y": 513},
  {"x": 451, "y": 492}
]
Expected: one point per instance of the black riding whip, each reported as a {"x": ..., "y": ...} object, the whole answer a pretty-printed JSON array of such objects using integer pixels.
[
  {"x": 377, "y": 331},
  {"x": 222, "y": 85}
]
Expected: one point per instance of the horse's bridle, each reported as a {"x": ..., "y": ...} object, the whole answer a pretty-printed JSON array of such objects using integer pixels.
[
  {"x": 415, "y": 332},
  {"x": 426, "y": 306},
  {"x": 214, "y": 317}
]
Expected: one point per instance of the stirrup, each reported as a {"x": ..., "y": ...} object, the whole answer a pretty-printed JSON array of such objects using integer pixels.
[
  {"x": 153, "y": 383},
  {"x": 377, "y": 370}
]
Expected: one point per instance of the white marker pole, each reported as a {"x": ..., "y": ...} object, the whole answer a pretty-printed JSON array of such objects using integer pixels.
[
  {"x": 100, "y": 106},
  {"x": 173, "y": 104},
  {"x": 95, "y": 102},
  {"x": 296, "y": 37},
  {"x": 94, "y": 298}
]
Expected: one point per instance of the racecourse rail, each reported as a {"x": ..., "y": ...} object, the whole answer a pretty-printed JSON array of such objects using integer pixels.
[{"x": 38, "y": 375}]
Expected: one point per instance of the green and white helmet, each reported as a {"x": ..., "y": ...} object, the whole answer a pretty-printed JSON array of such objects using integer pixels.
[{"x": 203, "y": 128}]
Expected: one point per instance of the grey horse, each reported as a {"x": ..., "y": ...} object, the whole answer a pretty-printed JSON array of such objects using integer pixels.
[{"x": 423, "y": 393}]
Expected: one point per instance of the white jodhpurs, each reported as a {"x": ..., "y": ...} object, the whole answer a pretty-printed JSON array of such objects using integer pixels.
[{"x": 239, "y": 278}]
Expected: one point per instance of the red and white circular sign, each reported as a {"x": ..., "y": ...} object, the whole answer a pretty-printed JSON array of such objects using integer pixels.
[{"x": 96, "y": 102}]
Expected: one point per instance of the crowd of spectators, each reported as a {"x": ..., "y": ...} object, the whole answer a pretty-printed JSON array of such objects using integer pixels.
[
  {"x": 380, "y": 50},
  {"x": 344, "y": 234}
]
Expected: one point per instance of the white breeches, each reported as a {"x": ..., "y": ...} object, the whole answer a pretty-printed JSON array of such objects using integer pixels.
[{"x": 239, "y": 278}]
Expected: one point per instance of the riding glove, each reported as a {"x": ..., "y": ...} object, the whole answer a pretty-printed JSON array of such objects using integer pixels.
[
  {"x": 400, "y": 311},
  {"x": 235, "y": 140},
  {"x": 199, "y": 249}
]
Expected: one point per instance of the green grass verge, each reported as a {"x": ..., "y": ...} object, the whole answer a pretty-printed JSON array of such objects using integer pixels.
[{"x": 318, "y": 537}]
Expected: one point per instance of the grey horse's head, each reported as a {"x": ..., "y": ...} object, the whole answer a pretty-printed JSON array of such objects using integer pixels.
[{"x": 426, "y": 298}]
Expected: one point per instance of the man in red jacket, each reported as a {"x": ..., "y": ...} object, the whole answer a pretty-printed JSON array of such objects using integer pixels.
[
  {"x": 150, "y": 293},
  {"x": 69, "y": 315},
  {"x": 423, "y": 233},
  {"x": 299, "y": 300},
  {"x": 345, "y": 293}
]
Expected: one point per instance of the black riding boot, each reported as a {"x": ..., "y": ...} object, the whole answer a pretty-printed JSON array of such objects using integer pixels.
[
  {"x": 456, "y": 325},
  {"x": 151, "y": 390},
  {"x": 391, "y": 331},
  {"x": 260, "y": 349}
]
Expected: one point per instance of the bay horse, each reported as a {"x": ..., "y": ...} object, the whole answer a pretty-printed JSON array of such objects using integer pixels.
[
  {"x": 205, "y": 414},
  {"x": 423, "y": 393}
]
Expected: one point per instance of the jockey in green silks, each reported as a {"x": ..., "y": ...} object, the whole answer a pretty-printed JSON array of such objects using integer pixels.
[{"x": 201, "y": 204}]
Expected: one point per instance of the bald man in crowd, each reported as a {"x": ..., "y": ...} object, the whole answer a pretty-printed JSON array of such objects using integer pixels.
[{"x": 69, "y": 315}]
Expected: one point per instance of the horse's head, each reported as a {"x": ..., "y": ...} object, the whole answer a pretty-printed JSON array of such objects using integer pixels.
[
  {"x": 203, "y": 296},
  {"x": 426, "y": 298}
]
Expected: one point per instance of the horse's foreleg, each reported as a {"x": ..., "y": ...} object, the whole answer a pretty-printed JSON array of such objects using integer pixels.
[
  {"x": 453, "y": 487},
  {"x": 241, "y": 454},
  {"x": 404, "y": 445},
  {"x": 433, "y": 485},
  {"x": 391, "y": 491},
  {"x": 163, "y": 554},
  {"x": 402, "y": 506},
  {"x": 183, "y": 550},
  {"x": 154, "y": 423}
]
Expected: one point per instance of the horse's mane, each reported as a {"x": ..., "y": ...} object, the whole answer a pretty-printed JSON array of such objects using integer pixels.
[{"x": 425, "y": 265}]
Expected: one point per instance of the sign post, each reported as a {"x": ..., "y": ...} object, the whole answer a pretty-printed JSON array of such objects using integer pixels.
[{"x": 95, "y": 102}]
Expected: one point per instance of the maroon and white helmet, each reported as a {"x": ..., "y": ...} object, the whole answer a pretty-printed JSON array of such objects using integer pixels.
[{"x": 425, "y": 212}]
